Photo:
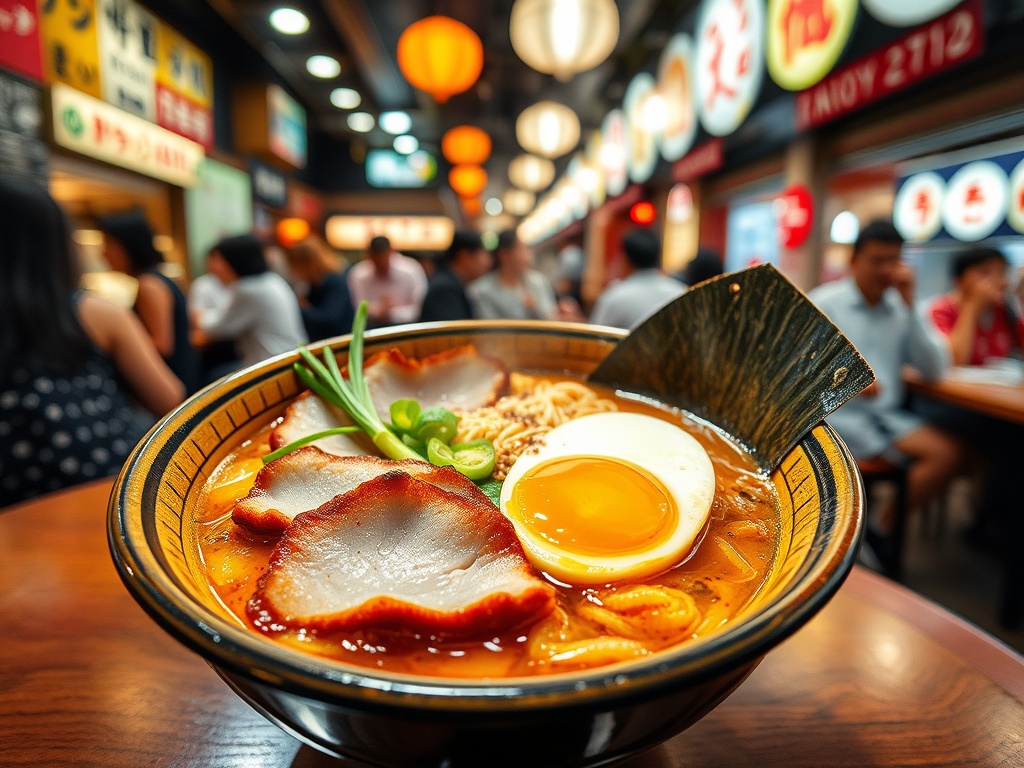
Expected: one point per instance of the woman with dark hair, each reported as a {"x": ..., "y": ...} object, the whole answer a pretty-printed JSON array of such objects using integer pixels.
[
  {"x": 328, "y": 309},
  {"x": 262, "y": 315},
  {"x": 73, "y": 367},
  {"x": 160, "y": 303}
]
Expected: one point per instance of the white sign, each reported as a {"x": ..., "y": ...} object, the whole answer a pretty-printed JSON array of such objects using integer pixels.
[
  {"x": 91, "y": 127},
  {"x": 406, "y": 233},
  {"x": 917, "y": 210},
  {"x": 679, "y": 207},
  {"x": 675, "y": 84},
  {"x": 127, "y": 41},
  {"x": 614, "y": 152},
  {"x": 1015, "y": 209},
  {"x": 975, "y": 202},
  {"x": 644, "y": 110},
  {"x": 730, "y": 62},
  {"x": 908, "y": 13}
]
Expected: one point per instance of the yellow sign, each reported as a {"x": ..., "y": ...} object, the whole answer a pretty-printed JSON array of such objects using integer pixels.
[
  {"x": 70, "y": 43},
  {"x": 183, "y": 68},
  {"x": 806, "y": 38},
  {"x": 94, "y": 128}
]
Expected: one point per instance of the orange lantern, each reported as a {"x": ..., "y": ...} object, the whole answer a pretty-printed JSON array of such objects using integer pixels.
[
  {"x": 466, "y": 145},
  {"x": 291, "y": 231},
  {"x": 441, "y": 56},
  {"x": 467, "y": 180},
  {"x": 472, "y": 206}
]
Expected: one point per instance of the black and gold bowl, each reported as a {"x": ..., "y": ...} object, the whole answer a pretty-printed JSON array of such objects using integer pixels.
[{"x": 747, "y": 352}]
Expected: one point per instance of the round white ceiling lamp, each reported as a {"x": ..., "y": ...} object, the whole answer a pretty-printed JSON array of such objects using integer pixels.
[
  {"x": 548, "y": 129},
  {"x": 395, "y": 123},
  {"x": 531, "y": 172},
  {"x": 493, "y": 206},
  {"x": 289, "y": 21},
  {"x": 361, "y": 122},
  {"x": 406, "y": 144},
  {"x": 324, "y": 67},
  {"x": 564, "y": 37},
  {"x": 518, "y": 202},
  {"x": 346, "y": 98}
]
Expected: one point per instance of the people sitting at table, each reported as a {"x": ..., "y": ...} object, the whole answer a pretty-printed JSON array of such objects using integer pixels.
[
  {"x": 874, "y": 307},
  {"x": 80, "y": 379},
  {"x": 513, "y": 289},
  {"x": 327, "y": 308},
  {"x": 628, "y": 302},
  {"x": 159, "y": 303},
  {"x": 263, "y": 316},
  {"x": 392, "y": 284},
  {"x": 465, "y": 260},
  {"x": 976, "y": 317}
]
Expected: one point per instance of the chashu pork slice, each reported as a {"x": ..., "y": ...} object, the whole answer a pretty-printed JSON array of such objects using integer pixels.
[
  {"x": 457, "y": 379},
  {"x": 308, "y": 477},
  {"x": 307, "y": 415},
  {"x": 400, "y": 554}
]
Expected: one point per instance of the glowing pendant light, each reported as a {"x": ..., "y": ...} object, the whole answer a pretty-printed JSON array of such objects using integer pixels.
[
  {"x": 548, "y": 129},
  {"x": 466, "y": 145},
  {"x": 467, "y": 180},
  {"x": 563, "y": 37},
  {"x": 441, "y": 56},
  {"x": 531, "y": 172},
  {"x": 518, "y": 202}
]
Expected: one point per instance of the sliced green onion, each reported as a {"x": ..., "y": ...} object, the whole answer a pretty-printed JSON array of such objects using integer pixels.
[
  {"x": 437, "y": 422},
  {"x": 404, "y": 415},
  {"x": 474, "y": 459},
  {"x": 416, "y": 445},
  {"x": 285, "y": 450}
]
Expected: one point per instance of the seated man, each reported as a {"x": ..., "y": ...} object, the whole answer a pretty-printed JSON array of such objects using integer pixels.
[
  {"x": 976, "y": 318},
  {"x": 873, "y": 306}
]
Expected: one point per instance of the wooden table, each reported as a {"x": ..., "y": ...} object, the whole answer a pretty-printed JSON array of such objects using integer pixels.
[
  {"x": 997, "y": 400},
  {"x": 881, "y": 677}
]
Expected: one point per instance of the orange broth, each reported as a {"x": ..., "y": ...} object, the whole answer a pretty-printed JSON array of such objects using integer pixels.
[{"x": 722, "y": 574}]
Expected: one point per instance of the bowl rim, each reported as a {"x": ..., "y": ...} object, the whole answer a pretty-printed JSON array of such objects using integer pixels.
[{"x": 229, "y": 647}]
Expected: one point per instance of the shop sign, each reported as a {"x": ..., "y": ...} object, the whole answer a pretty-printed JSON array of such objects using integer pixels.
[
  {"x": 730, "y": 62},
  {"x": 908, "y": 14},
  {"x": 675, "y": 85},
  {"x": 70, "y": 49},
  {"x": 928, "y": 50},
  {"x": 387, "y": 169},
  {"x": 269, "y": 185},
  {"x": 796, "y": 213},
  {"x": 614, "y": 152},
  {"x": 975, "y": 201},
  {"x": 128, "y": 42},
  {"x": 805, "y": 39},
  {"x": 23, "y": 153},
  {"x": 19, "y": 38},
  {"x": 91, "y": 127},
  {"x": 751, "y": 235},
  {"x": 643, "y": 139},
  {"x": 286, "y": 128},
  {"x": 597, "y": 189},
  {"x": 679, "y": 205},
  {"x": 406, "y": 233},
  {"x": 184, "y": 87},
  {"x": 702, "y": 160},
  {"x": 917, "y": 210}
]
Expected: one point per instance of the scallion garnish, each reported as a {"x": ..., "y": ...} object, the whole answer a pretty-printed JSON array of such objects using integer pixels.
[{"x": 286, "y": 449}]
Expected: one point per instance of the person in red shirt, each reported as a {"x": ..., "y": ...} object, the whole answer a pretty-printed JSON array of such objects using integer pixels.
[{"x": 976, "y": 317}]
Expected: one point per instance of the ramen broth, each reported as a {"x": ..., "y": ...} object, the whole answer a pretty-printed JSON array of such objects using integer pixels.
[{"x": 721, "y": 575}]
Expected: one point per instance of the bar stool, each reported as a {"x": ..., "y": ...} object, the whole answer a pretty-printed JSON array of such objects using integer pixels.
[{"x": 889, "y": 548}]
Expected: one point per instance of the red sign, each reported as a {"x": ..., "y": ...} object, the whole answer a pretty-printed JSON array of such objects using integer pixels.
[
  {"x": 19, "y": 38},
  {"x": 698, "y": 162},
  {"x": 929, "y": 49},
  {"x": 183, "y": 116},
  {"x": 796, "y": 217}
]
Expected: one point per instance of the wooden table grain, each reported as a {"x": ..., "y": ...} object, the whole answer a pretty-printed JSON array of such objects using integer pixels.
[
  {"x": 881, "y": 677},
  {"x": 1000, "y": 401}
]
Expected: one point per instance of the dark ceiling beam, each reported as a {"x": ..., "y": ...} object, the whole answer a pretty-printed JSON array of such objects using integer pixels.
[{"x": 375, "y": 61}]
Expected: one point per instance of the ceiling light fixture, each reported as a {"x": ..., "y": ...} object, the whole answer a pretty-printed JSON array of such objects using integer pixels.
[
  {"x": 493, "y": 206},
  {"x": 406, "y": 145},
  {"x": 395, "y": 123},
  {"x": 289, "y": 21},
  {"x": 361, "y": 122},
  {"x": 345, "y": 98},
  {"x": 548, "y": 129},
  {"x": 322, "y": 66},
  {"x": 564, "y": 37}
]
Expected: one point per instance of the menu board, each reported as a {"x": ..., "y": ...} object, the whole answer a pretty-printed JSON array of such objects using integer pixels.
[
  {"x": 184, "y": 87},
  {"x": 23, "y": 153}
]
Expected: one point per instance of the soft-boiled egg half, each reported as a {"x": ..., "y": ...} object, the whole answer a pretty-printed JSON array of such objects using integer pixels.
[{"x": 609, "y": 496}]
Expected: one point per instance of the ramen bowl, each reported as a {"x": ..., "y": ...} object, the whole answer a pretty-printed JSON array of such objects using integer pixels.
[{"x": 584, "y": 718}]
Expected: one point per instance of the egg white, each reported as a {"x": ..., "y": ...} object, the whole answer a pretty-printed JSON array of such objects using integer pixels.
[{"x": 666, "y": 451}]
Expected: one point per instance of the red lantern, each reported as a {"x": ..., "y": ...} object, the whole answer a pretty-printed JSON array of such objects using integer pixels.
[
  {"x": 466, "y": 145},
  {"x": 467, "y": 180},
  {"x": 441, "y": 56},
  {"x": 642, "y": 213},
  {"x": 796, "y": 217}
]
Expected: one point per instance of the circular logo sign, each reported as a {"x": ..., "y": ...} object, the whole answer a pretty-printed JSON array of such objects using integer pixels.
[
  {"x": 1015, "y": 209},
  {"x": 675, "y": 84},
  {"x": 917, "y": 210},
  {"x": 907, "y": 14},
  {"x": 72, "y": 121},
  {"x": 975, "y": 201},
  {"x": 614, "y": 152},
  {"x": 730, "y": 62},
  {"x": 644, "y": 111},
  {"x": 806, "y": 38},
  {"x": 795, "y": 216}
]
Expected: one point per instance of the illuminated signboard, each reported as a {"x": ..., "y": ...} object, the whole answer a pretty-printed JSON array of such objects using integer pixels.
[
  {"x": 730, "y": 62},
  {"x": 128, "y": 42},
  {"x": 406, "y": 233},
  {"x": 286, "y": 127},
  {"x": 388, "y": 169},
  {"x": 806, "y": 38},
  {"x": 908, "y": 14},
  {"x": 642, "y": 142},
  {"x": 614, "y": 152},
  {"x": 675, "y": 85}
]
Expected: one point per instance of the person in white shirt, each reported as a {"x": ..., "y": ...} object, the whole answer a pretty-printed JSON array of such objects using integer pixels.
[
  {"x": 391, "y": 283},
  {"x": 514, "y": 290},
  {"x": 645, "y": 290},
  {"x": 262, "y": 315}
]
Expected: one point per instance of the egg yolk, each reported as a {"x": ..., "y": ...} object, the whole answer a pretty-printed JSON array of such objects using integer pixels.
[{"x": 594, "y": 505}]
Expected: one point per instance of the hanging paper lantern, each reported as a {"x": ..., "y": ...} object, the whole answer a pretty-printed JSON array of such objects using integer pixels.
[
  {"x": 518, "y": 202},
  {"x": 467, "y": 180},
  {"x": 563, "y": 37},
  {"x": 531, "y": 172},
  {"x": 548, "y": 129},
  {"x": 466, "y": 145},
  {"x": 291, "y": 231},
  {"x": 441, "y": 56}
]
